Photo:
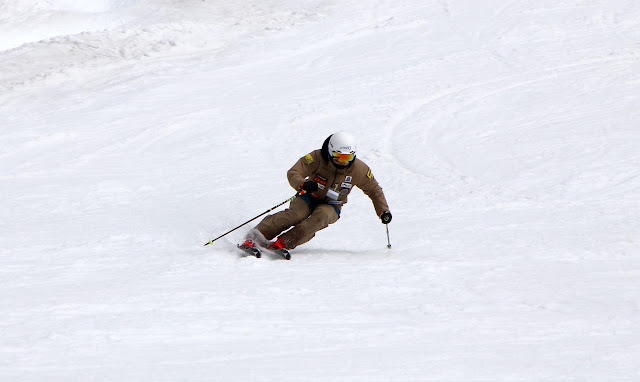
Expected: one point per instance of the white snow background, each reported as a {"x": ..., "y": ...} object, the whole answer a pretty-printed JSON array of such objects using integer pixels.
[{"x": 505, "y": 135}]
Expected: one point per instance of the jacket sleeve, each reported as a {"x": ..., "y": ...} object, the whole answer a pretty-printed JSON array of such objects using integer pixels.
[
  {"x": 369, "y": 185},
  {"x": 303, "y": 168}
]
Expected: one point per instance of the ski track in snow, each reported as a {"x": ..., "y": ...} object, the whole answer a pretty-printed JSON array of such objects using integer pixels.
[{"x": 503, "y": 133}]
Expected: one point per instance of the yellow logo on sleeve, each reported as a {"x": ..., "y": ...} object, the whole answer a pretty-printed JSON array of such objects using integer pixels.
[
  {"x": 308, "y": 158},
  {"x": 369, "y": 174}
]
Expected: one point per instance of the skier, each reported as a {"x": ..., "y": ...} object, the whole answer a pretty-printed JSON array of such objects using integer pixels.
[{"x": 323, "y": 179}]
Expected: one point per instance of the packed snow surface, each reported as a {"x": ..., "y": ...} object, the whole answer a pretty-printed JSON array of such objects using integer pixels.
[{"x": 504, "y": 133}]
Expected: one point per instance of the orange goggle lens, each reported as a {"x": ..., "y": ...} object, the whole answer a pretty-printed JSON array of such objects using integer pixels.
[{"x": 343, "y": 158}]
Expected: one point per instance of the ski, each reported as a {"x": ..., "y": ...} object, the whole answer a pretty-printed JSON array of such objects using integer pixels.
[
  {"x": 280, "y": 252},
  {"x": 257, "y": 252},
  {"x": 252, "y": 251},
  {"x": 284, "y": 253}
]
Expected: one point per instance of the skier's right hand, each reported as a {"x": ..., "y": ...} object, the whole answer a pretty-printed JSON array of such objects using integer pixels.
[
  {"x": 386, "y": 217},
  {"x": 309, "y": 186}
]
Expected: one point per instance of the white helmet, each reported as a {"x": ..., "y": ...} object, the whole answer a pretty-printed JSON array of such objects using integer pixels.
[{"x": 342, "y": 147}]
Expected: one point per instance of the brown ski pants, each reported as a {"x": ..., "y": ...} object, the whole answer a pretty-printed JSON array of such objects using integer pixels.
[{"x": 306, "y": 221}]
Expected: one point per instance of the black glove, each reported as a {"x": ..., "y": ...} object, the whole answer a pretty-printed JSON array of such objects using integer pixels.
[
  {"x": 386, "y": 217},
  {"x": 309, "y": 186}
]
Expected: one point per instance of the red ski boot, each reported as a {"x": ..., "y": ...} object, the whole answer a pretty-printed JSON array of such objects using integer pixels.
[
  {"x": 250, "y": 247},
  {"x": 279, "y": 246}
]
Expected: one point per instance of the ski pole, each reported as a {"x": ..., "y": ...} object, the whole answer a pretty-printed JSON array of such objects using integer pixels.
[
  {"x": 388, "y": 241},
  {"x": 249, "y": 221}
]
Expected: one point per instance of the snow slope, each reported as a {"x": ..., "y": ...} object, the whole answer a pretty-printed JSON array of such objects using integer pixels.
[{"x": 504, "y": 135}]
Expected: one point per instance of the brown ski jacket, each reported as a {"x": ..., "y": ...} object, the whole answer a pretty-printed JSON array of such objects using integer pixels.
[{"x": 335, "y": 184}]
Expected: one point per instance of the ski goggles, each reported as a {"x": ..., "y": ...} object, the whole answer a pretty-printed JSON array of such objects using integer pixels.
[{"x": 343, "y": 158}]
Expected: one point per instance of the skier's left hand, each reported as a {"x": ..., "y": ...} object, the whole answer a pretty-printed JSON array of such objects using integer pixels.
[{"x": 386, "y": 217}]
